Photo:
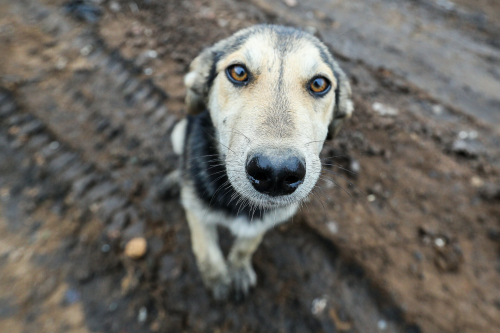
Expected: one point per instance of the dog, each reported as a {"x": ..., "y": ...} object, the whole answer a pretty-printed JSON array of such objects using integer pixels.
[{"x": 261, "y": 104}]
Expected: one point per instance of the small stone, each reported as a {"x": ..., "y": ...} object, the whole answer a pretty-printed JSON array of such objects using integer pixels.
[
  {"x": 290, "y": 3},
  {"x": 54, "y": 145},
  {"x": 136, "y": 248},
  {"x": 439, "y": 242},
  {"x": 143, "y": 315},
  {"x": 476, "y": 181},
  {"x": 222, "y": 23},
  {"x": 382, "y": 325},
  {"x": 61, "y": 63},
  {"x": 384, "y": 110},
  {"x": 86, "y": 50},
  {"x": 318, "y": 305},
  {"x": 151, "y": 54},
  {"x": 446, "y": 4},
  {"x": 115, "y": 6},
  {"x": 148, "y": 71},
  {"x": 473, "y": 135},
  {"x": 355, "y": 166},
  {"x": 437, "y": 109},
  {"x": 465, "y": 148},
  {"x": 371, "y": 198},
  {"x": 333, "y": 227}
]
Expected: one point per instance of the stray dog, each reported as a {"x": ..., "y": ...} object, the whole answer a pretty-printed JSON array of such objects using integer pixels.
[{"x": 261, "y": 105}]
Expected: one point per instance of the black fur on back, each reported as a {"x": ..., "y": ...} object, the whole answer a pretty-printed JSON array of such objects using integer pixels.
[{"x": 204, "y": 166}]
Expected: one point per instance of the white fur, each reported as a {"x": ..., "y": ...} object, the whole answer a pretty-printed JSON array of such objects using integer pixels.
[
  {"x": 178, "y": 135},
  {"x": 240, "y": 226}
]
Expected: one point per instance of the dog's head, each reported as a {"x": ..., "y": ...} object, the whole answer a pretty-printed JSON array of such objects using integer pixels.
[{"x": 273, "y": 94}]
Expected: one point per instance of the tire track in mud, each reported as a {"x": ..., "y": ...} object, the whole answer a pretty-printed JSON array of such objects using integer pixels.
[{"x": 104, "y": 148}]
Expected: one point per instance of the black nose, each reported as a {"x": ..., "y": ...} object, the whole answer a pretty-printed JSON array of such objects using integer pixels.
[{"x": 275, "y": 175}]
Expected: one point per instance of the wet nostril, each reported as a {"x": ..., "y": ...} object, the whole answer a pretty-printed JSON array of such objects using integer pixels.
[
  {"x": 291, "y": 175},
  {"x": 260, "y": 176},
  {"x": 260, "y": 173},
  {"x": 291, "y": 180}
]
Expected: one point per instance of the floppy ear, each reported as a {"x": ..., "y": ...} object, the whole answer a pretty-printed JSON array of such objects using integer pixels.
[
  {"x": 343, "y": 104},
  {"x": 199, "y": 79}
]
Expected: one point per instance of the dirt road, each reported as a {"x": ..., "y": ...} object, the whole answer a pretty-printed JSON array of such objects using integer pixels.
[{"x": 411, "y": 243}]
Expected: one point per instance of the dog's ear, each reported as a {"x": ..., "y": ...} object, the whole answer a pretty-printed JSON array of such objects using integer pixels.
[
  {"x": 343, "y": 104},
  {"x": 199, "y": 79}
]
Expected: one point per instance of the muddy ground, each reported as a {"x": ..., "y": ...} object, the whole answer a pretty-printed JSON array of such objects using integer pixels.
[{"x": 89, "y": 91}]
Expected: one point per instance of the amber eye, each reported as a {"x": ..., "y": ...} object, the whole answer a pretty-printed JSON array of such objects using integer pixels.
[
  {"x": 237, "y": 74},
  {"x": 319, "y": 85}
]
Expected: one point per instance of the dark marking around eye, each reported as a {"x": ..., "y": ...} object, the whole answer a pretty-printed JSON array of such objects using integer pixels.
[
  {"x": 319, "y": 86},
  {"x": 237, "y": 74}
]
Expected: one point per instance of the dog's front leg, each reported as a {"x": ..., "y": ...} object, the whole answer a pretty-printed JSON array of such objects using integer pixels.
[
  {"x": 209, "y": 257},
  {"x": 240, "y": 263}
]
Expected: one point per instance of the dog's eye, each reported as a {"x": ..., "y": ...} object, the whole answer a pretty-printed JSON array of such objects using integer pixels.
[
  {"x": 319, "y": 85},
  {"x": 237, "y": 74}
]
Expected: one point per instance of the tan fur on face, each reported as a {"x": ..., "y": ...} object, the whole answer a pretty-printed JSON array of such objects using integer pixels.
[{"x": 274, "y": 111}]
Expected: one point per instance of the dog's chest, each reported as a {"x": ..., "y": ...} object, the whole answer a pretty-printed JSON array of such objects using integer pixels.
[{"x": 241, "y": 225}]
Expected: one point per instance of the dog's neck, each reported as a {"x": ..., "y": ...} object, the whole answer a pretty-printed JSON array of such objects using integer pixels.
[{"x": 204, "y": 165}]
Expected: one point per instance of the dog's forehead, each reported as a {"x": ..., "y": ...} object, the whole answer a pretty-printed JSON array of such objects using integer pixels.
[{"x": 265, "y": 48}]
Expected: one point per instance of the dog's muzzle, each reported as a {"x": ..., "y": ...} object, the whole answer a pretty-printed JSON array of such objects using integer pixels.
[{"x": 275, "y": 173}]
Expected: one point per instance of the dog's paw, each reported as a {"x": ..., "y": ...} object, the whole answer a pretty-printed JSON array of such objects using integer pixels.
[
  {"x": 243, "y": 279},
  {"x": 220, "y": 287}
]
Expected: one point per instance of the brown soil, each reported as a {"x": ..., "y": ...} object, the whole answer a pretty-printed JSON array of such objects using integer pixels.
[{"x": 409, "y": 243}]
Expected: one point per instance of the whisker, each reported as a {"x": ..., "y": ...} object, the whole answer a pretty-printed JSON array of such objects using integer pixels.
[
  {"x": 239, "y": 132},
  {"x": 340, "y": 187},
  {"x": 321, "y": 201},
  {"x": 339, "y": 167},
  {"x": 216, "y": 191},
  {"x": 220, "y": 142},
  {"x": 335, "y": 156},
  {"x": 324, "y": 193},
  {"x": 334, "y": 173},
  {"x": 313, "y": 142}
]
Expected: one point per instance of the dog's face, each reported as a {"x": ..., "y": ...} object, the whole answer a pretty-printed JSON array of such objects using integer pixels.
[{"x": 272, "y": 93}]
